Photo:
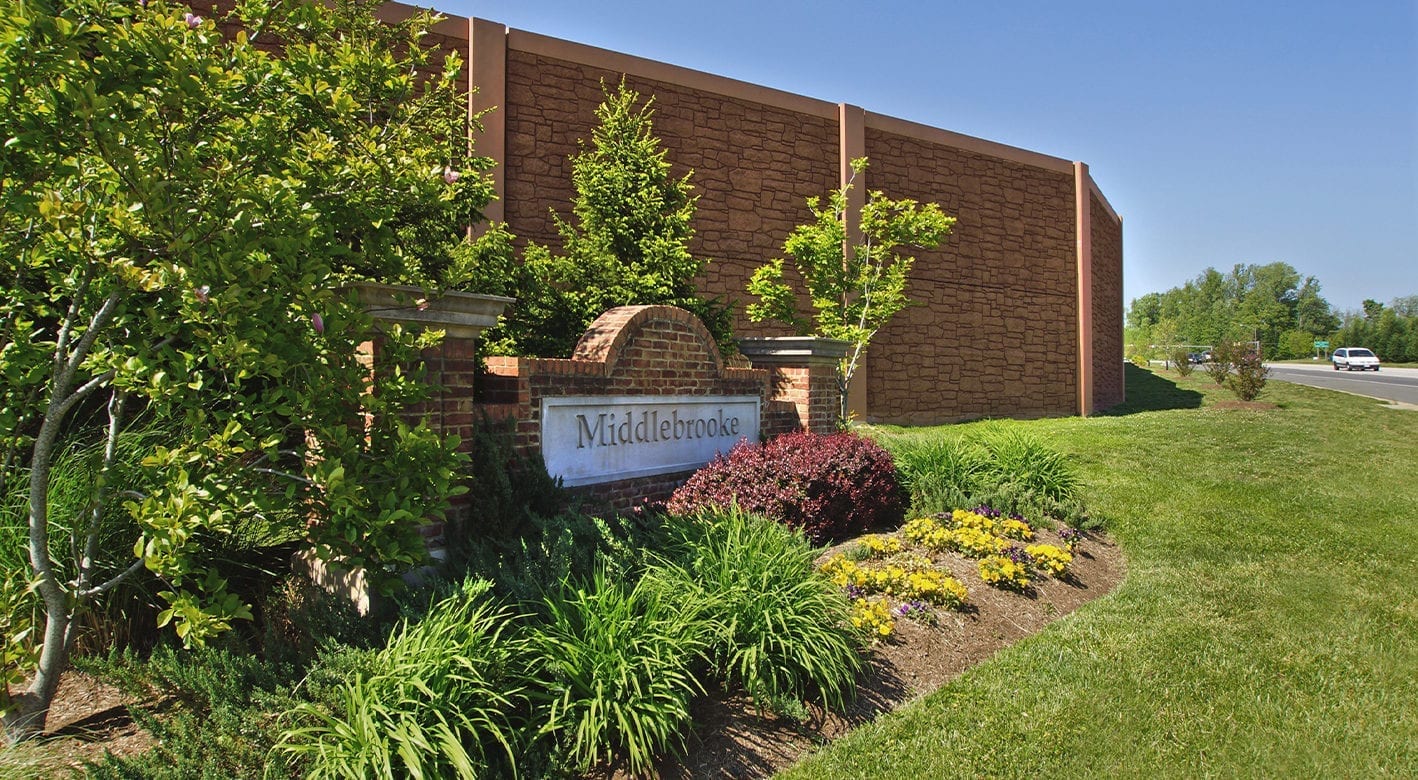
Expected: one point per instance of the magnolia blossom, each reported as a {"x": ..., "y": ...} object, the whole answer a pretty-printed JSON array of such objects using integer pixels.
[
  {"x": 203, "y": 293},
  {"x": 317, "y": 322},
  {"x": 450, "y": 175},
  {"x": 193, "y": 20}
]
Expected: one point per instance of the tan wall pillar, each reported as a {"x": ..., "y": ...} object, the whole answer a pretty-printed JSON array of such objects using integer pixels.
[
  {"x": 487, "y": 80},
  {"x": 1083, "y": 205}
]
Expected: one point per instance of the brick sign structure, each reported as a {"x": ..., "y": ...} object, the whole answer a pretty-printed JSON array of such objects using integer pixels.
[{"x": 647, "y": 398}]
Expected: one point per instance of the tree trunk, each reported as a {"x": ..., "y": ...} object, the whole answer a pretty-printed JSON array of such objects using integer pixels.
[{"x": 29, "y": 710}]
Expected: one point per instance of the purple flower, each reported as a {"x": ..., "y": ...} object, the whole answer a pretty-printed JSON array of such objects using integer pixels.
[
  {"x": 1019, "y": 555},
  {"x": 985, "y": 511},
  {"x": 450, "y": 175},
  {"x": 203, "y": 293},
  {"x": 317, "y": 322},
  {"x": 854, "y": 592},
  {"x": 912, "y": 607},
  {"x": 193, "y": 20}
]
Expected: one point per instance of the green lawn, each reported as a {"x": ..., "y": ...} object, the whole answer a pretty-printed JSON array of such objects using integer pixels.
[{"x": 1267, "y": 626}]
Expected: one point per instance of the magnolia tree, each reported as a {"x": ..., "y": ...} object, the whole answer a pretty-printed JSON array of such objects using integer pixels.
[
  {"x": 178, "y": 210},
  {"x": 856, "y": 289}
]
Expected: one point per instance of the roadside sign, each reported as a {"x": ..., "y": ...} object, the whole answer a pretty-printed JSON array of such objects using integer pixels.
[{"x": 1321, "y": 345}]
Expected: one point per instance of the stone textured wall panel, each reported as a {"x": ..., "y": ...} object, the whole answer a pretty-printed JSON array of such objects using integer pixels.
[{"x": 995, "y": 331}]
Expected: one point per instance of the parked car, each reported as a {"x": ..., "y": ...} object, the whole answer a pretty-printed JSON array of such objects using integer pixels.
[{"x": 1354, "y": 358}]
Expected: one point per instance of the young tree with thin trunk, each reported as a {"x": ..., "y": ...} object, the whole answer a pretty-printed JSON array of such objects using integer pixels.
[{"x": 855, "y": 290}]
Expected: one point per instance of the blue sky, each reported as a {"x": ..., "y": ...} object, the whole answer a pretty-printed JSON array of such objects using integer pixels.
[{"x": 1223, "y": 132}]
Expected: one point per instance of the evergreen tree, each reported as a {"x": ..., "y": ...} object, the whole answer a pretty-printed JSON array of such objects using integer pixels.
[{"x": 627, "y": 241}]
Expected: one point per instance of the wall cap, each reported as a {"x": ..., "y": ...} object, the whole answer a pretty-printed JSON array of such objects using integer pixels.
[
  {"x": 793, "y": 350},
  {"x": 459, "y": 314}
]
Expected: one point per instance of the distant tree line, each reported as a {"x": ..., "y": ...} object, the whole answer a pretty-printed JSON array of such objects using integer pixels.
[
  {"x": 1390, "y": 331},
  {"x": 1274, "y": 305}
]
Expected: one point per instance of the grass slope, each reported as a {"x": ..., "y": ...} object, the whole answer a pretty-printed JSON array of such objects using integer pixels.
[{"x": 1268, "y": 624}]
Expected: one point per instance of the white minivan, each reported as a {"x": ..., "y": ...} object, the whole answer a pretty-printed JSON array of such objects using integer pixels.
[{"x": 1351, "y": 358}]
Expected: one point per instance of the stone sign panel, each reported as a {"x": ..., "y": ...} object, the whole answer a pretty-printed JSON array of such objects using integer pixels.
[{"x": 588, "y": 440}]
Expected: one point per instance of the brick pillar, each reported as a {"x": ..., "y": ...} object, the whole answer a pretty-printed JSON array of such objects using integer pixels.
[
  {"x": 803, "y": 371},
  {"x": 450, "y": 367}
]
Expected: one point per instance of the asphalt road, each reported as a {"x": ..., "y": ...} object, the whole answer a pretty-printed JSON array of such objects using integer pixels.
[{"x": 1390, "y": 384}]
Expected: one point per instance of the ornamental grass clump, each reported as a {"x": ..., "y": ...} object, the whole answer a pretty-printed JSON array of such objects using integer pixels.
[
  {"x": 778, "y": 624},
  {"x": 830, "y": 486},
  {"x": 996, "y": 468},
  {"x": 444, "y": 699},
  {"x": 614, "y": 670},
  {"x": 1022, "y": 458},
  {"x": 942, "y": 472}
]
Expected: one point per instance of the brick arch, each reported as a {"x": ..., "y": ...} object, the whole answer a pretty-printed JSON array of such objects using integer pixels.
[{"x": 612, "y": 332}]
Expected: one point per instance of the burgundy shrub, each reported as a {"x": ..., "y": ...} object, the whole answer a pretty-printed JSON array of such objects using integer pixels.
[{"x": 831, "y": 486}]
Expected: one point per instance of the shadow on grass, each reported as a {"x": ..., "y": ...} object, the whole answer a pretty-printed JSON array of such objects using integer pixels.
[{"x": 1149, "y": 392}]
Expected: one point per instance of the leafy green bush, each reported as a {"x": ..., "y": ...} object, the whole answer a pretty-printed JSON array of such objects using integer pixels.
[
  {"x": 441, "y": 700},
  {"x": 1181, "y": 360},
  {"x": 509, "y": 488},
  {"x": 566, "y": 547},
  {"x": 299, "y": 621},
  {"x": 856, "y": 283},
  {"x": 779, "y": 624},
  {"x": 614, "y": 670},
  {"x": 239, "y": 194},
  {"x": 220, "y": 725},
  {"x": 126, "y": 615},
  {"x": 1223, "y": 357},
  {"x": 17, "y": 622}
]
